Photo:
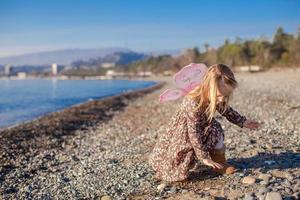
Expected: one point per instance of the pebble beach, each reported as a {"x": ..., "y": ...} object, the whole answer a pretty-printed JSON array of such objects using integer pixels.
[{"x": 99, "y": 149}]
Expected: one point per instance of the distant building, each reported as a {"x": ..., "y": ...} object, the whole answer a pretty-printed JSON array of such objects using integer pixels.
[
  {"x": 21, "y": 75},
  {"x": 67, "y": 67},
  {"x": 167, "y": 73},
  {"x": 54, "y": 69},
  {"x": 249, "y": 68},
  {"x": 108, "y": 65},
  {"x": 7, "y": 70},
  {"x": 111, "y": 74},
  {"x": 145, "y": 74}
]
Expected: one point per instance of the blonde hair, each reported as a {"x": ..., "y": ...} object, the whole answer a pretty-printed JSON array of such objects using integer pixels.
[{"x": 206, "y": 93}]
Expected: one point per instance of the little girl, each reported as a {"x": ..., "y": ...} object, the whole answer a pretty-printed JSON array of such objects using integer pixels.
[{"x": 193, "y": 131}]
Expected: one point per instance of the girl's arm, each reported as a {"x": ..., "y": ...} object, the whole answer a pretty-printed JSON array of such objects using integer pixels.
[
  {"x": 195, "y": 138},
  {"x": 194, "y": 134},
  {"x": 232, "y": 115}
]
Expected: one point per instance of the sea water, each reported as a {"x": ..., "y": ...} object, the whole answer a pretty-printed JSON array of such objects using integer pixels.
[{"x": 24, "y": 100}]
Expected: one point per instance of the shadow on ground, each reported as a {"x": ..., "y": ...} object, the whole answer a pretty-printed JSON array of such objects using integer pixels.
[
  {"x": 264, "y": 161},
  {"x": 268, "y": 161}
]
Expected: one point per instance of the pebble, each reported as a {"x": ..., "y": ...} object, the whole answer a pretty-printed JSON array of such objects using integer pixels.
[
  {"x": 273, "y": 196},
  {"x": 263, "y": 190},
  {"x": 296, "y": 195},
  {"x": 106, "y": 198},
  {"x": 173, "y": 190},
  {"x": 264, "y": 182},
  {"x": 248, "y": 180},
  {"x": 269, "y": 162},
  {"x": 282, "y": 174},
  {"x": 297, "y": 186},
  {"x": 161, "y": 187},
  {"x": 249, "y": 197},
  {"x": 261, "y": 197},
  {"x": 265, "y": 177}
]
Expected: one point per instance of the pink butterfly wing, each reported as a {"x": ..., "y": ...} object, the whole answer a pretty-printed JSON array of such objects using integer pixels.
[
  {"x": 190, "y": 76},
  {"x": 171, "y": 94}
]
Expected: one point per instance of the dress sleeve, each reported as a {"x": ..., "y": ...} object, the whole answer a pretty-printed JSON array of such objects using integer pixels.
[
  {"x": 195, "y": 134},
  {"x": 232, "y": 115}
]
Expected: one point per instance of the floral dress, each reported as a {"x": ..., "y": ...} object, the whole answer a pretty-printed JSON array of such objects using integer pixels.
[{"x": 188, "y": 136}]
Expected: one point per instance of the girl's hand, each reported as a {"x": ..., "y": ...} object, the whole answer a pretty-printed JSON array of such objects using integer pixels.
[
  {"x": 251, "y": 124},
  {"x": 211, "y": 163}
]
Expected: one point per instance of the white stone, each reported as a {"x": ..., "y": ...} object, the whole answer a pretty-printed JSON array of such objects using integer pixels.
[
  {"x": 161, "y": 187},
  {"x": 265, "y": 177},
  {"x": 105, "y": 198},
  {"x": 273, "y": 196},
  {"x": 248, "y": 180}
]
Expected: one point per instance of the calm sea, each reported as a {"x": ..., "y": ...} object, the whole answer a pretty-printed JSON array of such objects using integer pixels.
[{"x": 23, "y": 100}]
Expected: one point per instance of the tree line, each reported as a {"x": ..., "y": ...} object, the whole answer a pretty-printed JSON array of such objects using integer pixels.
[{"x": 282, "y": 51}]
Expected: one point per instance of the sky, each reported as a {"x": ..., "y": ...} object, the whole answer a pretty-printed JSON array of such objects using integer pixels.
[{"x": 142, "y": 25}]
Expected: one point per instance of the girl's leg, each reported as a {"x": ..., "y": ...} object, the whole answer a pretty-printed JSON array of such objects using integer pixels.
[
  {"x": 218, "y": 155},
  {"x": 220, "y": 143}
]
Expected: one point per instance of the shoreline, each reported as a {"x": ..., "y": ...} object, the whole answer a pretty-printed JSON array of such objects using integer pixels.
[
  {"x": 76, "y": 105},
  {"x": 94, "y": 78},
  {"x": 113, "y": 98}
]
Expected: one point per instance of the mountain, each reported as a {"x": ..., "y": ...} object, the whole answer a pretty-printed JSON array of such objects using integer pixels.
[
  {"x": 61, "y": 57},
  {"x": 121, "y": 58},
  {"x": 68, "y": 56},
  {"x": 171, "y": 52}
]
